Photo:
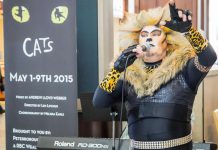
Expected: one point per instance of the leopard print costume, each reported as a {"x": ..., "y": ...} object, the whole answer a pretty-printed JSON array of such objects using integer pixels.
[
  {"x": 199, "y": 43},
  {"x": 109, "y": 82}
]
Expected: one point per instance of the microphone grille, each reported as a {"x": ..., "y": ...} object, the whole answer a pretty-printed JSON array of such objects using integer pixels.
[{"x": 145, "y": 47}]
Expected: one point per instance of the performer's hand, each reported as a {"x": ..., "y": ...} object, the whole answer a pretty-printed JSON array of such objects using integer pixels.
[
  {"x": 181, "y": 20},
  {"x": 138, "y": 51},
  {"x": 120, "y": 63}
]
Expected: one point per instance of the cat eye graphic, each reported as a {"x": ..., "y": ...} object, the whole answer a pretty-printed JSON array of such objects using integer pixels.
[
  {"x": 20, "y": 14},
  {"x": 59, "y": 14}
]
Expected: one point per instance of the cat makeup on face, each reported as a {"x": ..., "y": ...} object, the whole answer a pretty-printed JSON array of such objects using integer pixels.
[{"x": 156, "y": 38}]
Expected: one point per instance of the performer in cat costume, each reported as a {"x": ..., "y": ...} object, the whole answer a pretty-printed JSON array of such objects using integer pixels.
[{"x": 164, "y": 70}]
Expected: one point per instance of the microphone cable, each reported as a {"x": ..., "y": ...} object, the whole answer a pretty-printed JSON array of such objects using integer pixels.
[{"x": 122, "y": 100}]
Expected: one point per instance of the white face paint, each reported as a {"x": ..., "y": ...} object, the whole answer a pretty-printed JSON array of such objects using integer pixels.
[{"x": 156, "y": 38}]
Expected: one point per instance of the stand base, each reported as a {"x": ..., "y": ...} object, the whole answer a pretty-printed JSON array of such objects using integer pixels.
[{"x": 204, "y": 146}]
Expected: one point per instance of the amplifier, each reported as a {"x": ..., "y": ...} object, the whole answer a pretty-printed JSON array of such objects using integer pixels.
[
  {"x": 64, "y": 143},
  {"x": 204, "y": 146}
]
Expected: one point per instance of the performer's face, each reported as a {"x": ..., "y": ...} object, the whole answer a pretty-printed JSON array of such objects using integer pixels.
[{"x": 156, "y": 38}]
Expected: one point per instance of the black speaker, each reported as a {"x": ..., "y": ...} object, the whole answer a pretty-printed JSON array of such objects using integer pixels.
[{"x": 204, "y": 146}]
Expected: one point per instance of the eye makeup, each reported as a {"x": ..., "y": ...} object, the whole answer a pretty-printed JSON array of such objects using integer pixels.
[{"x": 155, "y": 32}]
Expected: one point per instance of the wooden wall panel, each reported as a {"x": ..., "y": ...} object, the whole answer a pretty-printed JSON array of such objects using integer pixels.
[
  {"x": 125, "y": 5},
  {"x": 210, "y": 104},
  {"x": 185, "y": 4},
  {"x": 195, "y": 12},
  {"x": 146, "y": 4},
  {"x": 137, "y": 6},
  {"x": 162, "y": 2},
  {"x": 202, "y": 14}
]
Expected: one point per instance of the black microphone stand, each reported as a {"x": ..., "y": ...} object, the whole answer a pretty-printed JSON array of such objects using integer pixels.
[
  {"x": 114, "y": 111},
  {"x": 203, "y": 140},
  {"x": 113, "y": 114}
]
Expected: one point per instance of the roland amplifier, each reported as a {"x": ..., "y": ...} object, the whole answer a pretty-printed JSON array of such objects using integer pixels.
[{"x": 63, "y": 143}]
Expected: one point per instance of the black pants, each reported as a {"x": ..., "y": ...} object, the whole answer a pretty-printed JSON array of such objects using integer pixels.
[{"x": 160, "y": 129}]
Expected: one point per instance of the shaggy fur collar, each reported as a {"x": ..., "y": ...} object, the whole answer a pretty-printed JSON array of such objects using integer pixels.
[{"x": 146, "y": 82}]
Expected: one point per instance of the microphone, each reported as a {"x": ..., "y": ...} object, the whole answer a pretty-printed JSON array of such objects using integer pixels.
[{"x": 146, "y": 47}]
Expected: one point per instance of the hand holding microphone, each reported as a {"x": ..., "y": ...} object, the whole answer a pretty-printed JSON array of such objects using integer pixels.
[
  {"x": 140, "y": 49},
  {"x": 120, "y": 63},
  {"x": 131, "y": 53}
]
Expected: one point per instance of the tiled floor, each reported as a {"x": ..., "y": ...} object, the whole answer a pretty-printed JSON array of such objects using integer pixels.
[{"x": 2, "y": 129}]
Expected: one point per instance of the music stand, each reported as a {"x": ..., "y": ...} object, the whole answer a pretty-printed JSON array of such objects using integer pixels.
[{"x": 91, "y": 113}]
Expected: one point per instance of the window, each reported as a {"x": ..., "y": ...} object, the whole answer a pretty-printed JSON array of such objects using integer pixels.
[
  {"x": 213, "y": 24},
  {"x": 118, "y": 6}
]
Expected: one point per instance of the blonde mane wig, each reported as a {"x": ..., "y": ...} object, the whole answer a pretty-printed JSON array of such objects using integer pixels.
[
  {"x": 179, "y": 50},
  {"x": 131, "y": 25}
]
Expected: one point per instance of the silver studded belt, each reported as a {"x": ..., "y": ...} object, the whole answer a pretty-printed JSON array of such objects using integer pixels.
[{"x": 160, "y": 144}]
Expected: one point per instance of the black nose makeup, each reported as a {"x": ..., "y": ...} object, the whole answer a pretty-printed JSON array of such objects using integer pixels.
[{"x": 149, "y": 40}]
